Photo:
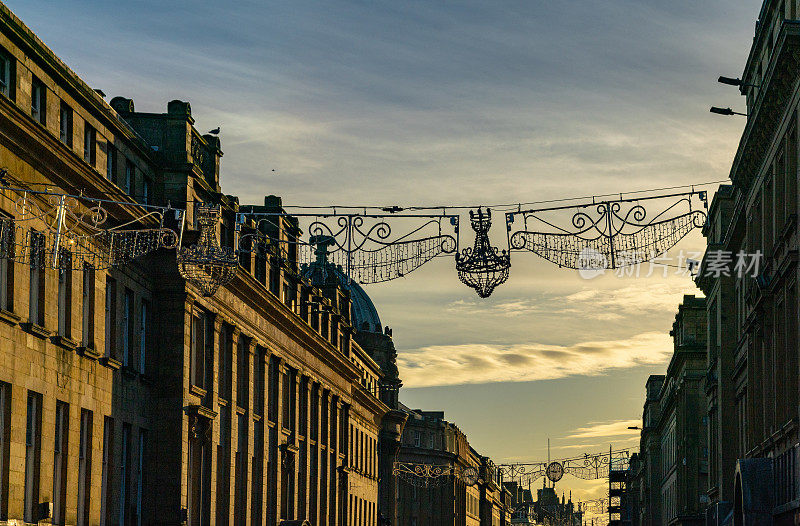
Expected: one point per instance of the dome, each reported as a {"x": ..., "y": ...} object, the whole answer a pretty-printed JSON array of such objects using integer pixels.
[{"x": 363, "y": 313}]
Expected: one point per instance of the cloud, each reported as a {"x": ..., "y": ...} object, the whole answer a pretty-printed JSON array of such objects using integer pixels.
[
  {"x": 606, "y": 429},
  {"x": 649, "y": 296},
  {"x": 484, "y": 363}
]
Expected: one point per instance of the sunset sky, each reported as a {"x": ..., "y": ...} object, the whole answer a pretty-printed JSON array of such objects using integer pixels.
[{"x": 457, "y": 103}]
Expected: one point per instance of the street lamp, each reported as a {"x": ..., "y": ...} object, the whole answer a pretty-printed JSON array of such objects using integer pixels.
[
  {"x": 735, "y": 82},
  {"x": 725, "y": 111}
]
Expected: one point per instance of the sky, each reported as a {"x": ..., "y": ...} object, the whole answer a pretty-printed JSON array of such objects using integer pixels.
[{"x": 457, "y": 103}]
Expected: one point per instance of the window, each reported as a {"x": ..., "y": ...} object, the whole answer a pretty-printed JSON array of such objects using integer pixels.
[
  {"x": 84, "y": 467},
  {"x": 243, "y": 372},
  {"x": 89, "y": 144},
  {"x": 143, "y": 328},
  {"x": 226, "y": 364},
  {"x": 140, "y": 476},
  {"x": 130, "y": 177},
  {"x": 65, "y": 295},
  {"x": 7, "y": 64},
  {"x": 65, "y": 124},
  {"x": 33, "y": 449},
  {"x": 259, "y": 381},
  {"x": 417, "y": 439},
  {"x": 105, "y": 489},
  {"x": 111, "y": 315},
  {"x": 145, "y": 197},
  {"x": 240, "y": 474},
  {"x": 127, "y": 327},
  {"x": 224, "y": 465},
  {"x": 202, "y": 341},
  {"x": 124, "y": 475},
  {"x": 5, "y": 446},
  {"x": 38, "y": 101},
  {"x": 36, "y": 290},
  {"x": 7, "y": 264},
  {"x": 111, "y": 162},
  {"x": 87, "y": 308},
  {"x": 60, "y": 452}
]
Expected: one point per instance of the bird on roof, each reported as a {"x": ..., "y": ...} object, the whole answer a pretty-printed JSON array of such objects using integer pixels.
[{"x": 215, "y": 131}]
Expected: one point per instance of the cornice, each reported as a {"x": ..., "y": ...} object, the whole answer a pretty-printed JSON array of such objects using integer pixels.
[{"x": 775, "y": 91}]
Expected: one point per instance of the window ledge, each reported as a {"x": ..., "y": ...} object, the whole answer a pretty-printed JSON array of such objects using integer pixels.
[
  {"x": 240, "y": 410},
  {"x": 36, "y": 330},
  {"x": 129, "y": 371},
  {"x": 63, "y": 341},
  {"x": 9, "y": 317},
  {"x": 197, "y": 391},
  {"x": 89, "y": 351},
  {"x": 110, "y": 362},
  {"x": 200, "y": 411}
]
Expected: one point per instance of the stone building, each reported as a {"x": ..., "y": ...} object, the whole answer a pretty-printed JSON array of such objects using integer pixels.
[
  {"x": 431, "y": 440},
  {"x": 129, "y": 398},
  {"x": 672, "y": 463},
  {"x": 752, "y": 376}
]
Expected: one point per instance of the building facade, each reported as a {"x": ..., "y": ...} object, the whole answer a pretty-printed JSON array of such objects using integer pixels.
[
  {"x": 670, "y": 482},
  {"x": 126, "y": 396},
  {"x": 431, "y": 440},
  {"x": 752, "y": 376}
]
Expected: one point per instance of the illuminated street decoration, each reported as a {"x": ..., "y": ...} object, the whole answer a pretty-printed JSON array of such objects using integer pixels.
[
  {"x": 586, "y": 467},
  {"x": 70, "y": 232},
  {"x": 206, "y": 264},
  {"x": 605, "y": 234},
  {"x": 482, "y": 266},
  {"x": 73, "y": 231},
  {"x": 365, "y": 246},
  {"x": 427, "y": 475}
]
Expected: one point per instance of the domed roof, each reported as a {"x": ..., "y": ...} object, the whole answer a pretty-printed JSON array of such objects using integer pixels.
[{"x": 363, "y": 313}]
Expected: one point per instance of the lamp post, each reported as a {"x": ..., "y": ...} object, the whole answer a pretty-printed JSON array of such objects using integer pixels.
[{"x": 725, "y": 111}]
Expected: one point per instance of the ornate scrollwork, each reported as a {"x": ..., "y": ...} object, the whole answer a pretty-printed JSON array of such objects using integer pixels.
[
  {"x": 426, "y": 475},
  {"x": 607, "y": 234},
  {"x": 587, "y": 467},
  {"x": 364, "y": 246},
  {"x": 71, "y": 232}
]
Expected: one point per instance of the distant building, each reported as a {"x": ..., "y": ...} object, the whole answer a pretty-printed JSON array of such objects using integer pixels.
[
  {"x": 672, "y": 466},
  {"x": 431, "y": 440},
  {"x": 548, "y": 510}
]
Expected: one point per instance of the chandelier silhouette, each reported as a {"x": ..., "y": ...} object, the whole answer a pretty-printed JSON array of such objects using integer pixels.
[
  {"x": 482, "y": 266},
  {"x": 206, "y": 265}
]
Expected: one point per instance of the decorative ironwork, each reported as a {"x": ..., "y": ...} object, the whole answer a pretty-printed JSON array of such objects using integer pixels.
[
  {"x": 70, "y": 232},
  {"x": 364, "y": 246},
  {"x": 427, "y": 475},
  {"x": 587, "y": 467},
  {"x": 482, "y": 266},
  {"x": 206, "y": 264},
  {"x": 606, "y": 234}
]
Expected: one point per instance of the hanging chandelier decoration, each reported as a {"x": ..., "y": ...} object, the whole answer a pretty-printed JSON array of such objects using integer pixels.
[
  {"x": 206, "y": 264},
  {"x": 606, "y": 234},
  {"x": 71, "y": 232},
  {"x": 482, "y": 266}
]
